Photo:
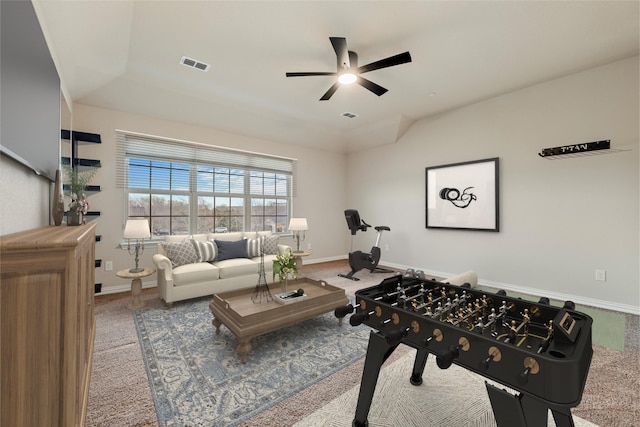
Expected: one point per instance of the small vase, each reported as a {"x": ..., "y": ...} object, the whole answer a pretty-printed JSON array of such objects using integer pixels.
[
  {"x": 74, "y": 218},
  {"x": 57, "y": 207},
  {"x": 283, "y": 285}
]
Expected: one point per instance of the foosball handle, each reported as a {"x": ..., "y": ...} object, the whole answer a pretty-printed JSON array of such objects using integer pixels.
[
  {"x": 394, "y": 337},
  {"x": 341, "y": 312},
  {"x": 444, "y": 360},
  {"x": 523, "y": 378},
  {"x": 358, "y": 318}
]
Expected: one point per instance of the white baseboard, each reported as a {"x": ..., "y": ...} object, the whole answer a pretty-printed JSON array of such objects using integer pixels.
[{"x": 108, "y": 290}]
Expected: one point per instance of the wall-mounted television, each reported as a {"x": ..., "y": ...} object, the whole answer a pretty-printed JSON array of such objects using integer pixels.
[{"x": 30, "y": 121}]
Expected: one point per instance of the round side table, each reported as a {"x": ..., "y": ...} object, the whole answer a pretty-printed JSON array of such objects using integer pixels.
[
  {"x": 298, "y": 256},
  {"x": 136, "y": 284}
]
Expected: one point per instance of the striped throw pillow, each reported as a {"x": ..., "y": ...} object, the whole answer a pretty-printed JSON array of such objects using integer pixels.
[
  {"x": 253, "y": 246},
  {"x": 207, "y": 251}
]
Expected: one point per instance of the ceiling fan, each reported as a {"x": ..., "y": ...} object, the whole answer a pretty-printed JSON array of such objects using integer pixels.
[{"x": 348, "y": 70}]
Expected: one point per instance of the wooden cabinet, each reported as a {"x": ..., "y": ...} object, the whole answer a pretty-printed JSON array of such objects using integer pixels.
[{"x": 47, "y": 326}]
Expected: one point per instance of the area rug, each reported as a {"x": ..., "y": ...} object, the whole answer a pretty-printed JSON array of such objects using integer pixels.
[
  {"x": 197, "y": 379},
  {"x": 454, "y": 397}
]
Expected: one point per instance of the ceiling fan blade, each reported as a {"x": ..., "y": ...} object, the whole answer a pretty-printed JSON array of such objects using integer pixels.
[
  {"x": 303, "y": 74},
  {"x": 398, "y": 59},
  {"x": 330, "y": 92},
  {"x": 368, "y": 84},
  {"x": 342, "y": 53}
]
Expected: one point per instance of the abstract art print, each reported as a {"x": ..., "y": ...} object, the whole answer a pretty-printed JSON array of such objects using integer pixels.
[{"x": 463, "y": 195}]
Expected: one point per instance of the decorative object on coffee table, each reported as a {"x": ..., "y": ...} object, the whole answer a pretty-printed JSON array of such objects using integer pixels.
[
  {"x": 262, "y": 289},
  {"x": 136, "y": 284},
  {"x": 285, "y": 266}
]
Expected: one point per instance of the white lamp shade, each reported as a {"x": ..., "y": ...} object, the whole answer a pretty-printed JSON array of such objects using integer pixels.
[
  {"x": 137, "y": 229},
  {"x": 298, "y": 224}
]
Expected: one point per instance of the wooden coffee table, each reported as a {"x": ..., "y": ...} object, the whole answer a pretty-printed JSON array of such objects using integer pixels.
[{"x": 246, "y": 320}]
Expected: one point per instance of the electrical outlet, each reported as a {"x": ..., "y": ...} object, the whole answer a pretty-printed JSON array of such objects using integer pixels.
[
  {"x": 108, "y": 265},
  {"x": 601, "y": 275},
  {"x": 386, "y": 247},
  {"x": 308, "y": 246}
]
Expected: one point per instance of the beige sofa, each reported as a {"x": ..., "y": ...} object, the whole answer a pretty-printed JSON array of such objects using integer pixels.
[{"x": 204, "y": 264}]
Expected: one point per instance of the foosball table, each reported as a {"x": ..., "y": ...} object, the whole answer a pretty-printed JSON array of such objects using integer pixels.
[{"x": 541, "y": 352}]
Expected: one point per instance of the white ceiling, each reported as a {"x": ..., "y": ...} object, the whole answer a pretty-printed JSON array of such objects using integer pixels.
[{"x": 124, "y": 55}]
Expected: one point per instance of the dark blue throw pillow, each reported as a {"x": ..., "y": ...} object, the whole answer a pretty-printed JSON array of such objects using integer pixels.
[{"x": 228, "y": 250}]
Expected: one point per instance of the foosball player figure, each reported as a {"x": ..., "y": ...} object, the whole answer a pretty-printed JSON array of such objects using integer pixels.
[
  {"x": 513, "y": 331},
  {"x": 549, "y": 330},
  {"x": 438, "y": 309},
  {"x": 525, "y": 320},
  {"x": 503, "y": 308},
  {"x": 485, "y": 304},
  {"x": 451, "y": 319},
  {"x": 492, "y": 319}
]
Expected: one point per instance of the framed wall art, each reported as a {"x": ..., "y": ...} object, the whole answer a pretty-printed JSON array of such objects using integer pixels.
[{"x": 463, "y": 195}]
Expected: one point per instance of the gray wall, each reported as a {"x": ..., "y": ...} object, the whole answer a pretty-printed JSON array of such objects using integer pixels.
[{"x": 560, "y": 220}]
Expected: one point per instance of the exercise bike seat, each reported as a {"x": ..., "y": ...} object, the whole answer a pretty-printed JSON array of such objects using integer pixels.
[{"x": 382, "y": 228}]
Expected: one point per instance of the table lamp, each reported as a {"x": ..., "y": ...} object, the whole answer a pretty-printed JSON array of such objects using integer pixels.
[
  {"x": 137, "y": 229},
  {"x": 298, "y": 225}
]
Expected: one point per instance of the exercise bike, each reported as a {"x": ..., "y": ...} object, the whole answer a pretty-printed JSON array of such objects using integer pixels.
[{"x": 358, "y": 259}]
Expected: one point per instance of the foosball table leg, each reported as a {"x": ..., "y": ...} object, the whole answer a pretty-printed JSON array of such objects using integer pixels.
[
  {"x": 563, "y": 418},
  {"x": 378, "y": 352},
  {"x": 418, "y": 366},
  {"x": 521, "y": 410}
]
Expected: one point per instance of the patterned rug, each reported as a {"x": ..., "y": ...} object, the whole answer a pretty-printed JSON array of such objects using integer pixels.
[{"x": 196, "y": 376}]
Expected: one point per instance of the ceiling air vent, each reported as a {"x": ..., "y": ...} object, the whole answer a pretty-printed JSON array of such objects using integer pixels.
[
  {"x": 192, "y": 63},
  {"x": 349, "y": 115}
]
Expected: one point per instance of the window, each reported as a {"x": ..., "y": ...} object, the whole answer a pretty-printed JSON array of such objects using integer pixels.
[{"x": 189, "y": 188}]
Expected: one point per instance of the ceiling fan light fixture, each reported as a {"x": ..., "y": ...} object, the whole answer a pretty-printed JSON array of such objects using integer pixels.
[{"x": 347, "y": 78}]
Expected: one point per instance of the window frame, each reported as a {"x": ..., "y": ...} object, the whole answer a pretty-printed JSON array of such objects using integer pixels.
[{"x": 189, "y": 155}]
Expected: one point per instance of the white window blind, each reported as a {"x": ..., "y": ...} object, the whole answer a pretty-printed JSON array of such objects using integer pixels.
[{"x": 131, "y": 144}]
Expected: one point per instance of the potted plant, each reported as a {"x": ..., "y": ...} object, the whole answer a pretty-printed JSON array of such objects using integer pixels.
[
  {"x": 285, "y": 266},
  {"x": 78, "y": 180}
]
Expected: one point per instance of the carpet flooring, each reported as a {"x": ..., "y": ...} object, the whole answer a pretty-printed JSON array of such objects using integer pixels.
[{"x": 120, "y": 394}]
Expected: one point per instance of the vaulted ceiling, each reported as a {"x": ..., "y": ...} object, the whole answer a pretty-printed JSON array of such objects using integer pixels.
[{"x": 125, "y": 55}]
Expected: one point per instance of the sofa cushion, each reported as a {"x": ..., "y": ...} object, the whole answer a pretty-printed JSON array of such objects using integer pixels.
[
  {"x": 195, "y": 273},
  {"x": 271, "y": 245},
  {"x": 180, "y": 253},
  {"x": 229, "y": 250},
  {"x": 207, "y": 251},
  {"x": 237, "y": 267}
]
